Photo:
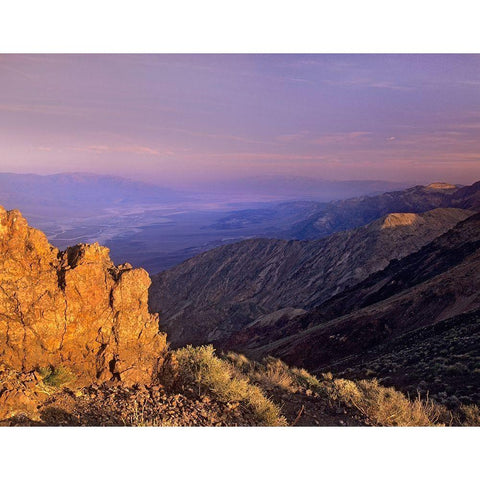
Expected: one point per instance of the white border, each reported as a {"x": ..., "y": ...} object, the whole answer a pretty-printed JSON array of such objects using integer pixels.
[
  {"x": 246, "y": 26},
  {"x": 243, "y": 453},
  {"x": 219, "y": 26}
]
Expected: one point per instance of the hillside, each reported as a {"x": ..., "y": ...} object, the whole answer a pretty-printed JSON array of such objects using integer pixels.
[
  {"x": 427, "y": 288},
  {"x": 215, "y": 294},
  {"x": 441, "y": 359}
]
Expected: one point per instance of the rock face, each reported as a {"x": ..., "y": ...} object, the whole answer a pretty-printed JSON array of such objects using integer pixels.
[
  {"x": 215, "y": 294},
  {"x": 73, "y": 308}
]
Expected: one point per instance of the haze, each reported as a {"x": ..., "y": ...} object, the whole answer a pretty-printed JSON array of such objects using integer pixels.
[{"x": 183, "y": 120}]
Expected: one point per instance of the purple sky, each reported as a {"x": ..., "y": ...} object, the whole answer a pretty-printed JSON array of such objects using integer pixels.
[{"x": 178, "y": 119}]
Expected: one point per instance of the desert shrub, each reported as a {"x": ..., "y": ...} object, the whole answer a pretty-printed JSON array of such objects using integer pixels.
[
  {"x": 240, "y": 362},
  {"x": 305, "y": 379},
  {"x": 201, "y": 368},
  {"x": 139, "y": 418},
  {"x": 384, "y": 406},
  {"x": 56, "y": 376},
  {"x": 456, "y": 369},
  {"x": 470, "y": 415},
  {"x": 274, "y": 373}
]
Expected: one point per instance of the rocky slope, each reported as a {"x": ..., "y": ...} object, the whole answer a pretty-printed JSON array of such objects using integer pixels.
[
  {"x": 437, "y": 283},
  {"x": 215, "y": 294},
  {"x": 73, "y": 308},
  {"x": 441, "y": 359}
]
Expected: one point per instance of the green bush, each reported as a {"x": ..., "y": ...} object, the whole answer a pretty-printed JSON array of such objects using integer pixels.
[{"x": 56, "y": 376}]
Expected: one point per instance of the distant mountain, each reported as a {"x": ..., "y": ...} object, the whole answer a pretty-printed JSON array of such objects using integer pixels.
[
  {"x": 319, "y": 219},
  {"x": 355, "y": 212},
  {"x": 75, "y": 194},
  {"x": 273, "y": 218},
  {"x": 290, "y": 187},
  {"x": 215, "y": 294}
]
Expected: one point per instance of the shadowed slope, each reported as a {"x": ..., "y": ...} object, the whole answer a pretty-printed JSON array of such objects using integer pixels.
[{"x": 213, "y": 295}]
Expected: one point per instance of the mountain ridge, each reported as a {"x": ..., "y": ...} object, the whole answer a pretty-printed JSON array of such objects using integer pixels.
[
  {"x": 429, "y": 286},
  {"x": 354, "y": 212},
  {"x": 214, "y": 294}
]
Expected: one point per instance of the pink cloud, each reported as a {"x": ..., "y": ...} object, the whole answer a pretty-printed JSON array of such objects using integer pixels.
[
  {"x": 133, "y": 149},
  {"x": 292, "y": 137},
  {"x": 342, "y": 138}
]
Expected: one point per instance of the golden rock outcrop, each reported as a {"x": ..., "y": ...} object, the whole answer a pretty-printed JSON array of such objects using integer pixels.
[{"x": 73, "y": 308}]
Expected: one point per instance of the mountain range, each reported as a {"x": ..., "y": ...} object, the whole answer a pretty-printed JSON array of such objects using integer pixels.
[
  {"x": 53, "y": 195},
  {"x": 214, "y": 294},
  {"x": 330, "y": 303},
  {"x": 292, "y": 187}
]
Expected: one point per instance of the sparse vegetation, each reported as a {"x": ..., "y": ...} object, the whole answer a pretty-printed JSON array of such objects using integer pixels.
[
  {"x": 378, "y": 404},
  {"x": 230, "y": 389},
  {"x": 440, "y": 361},
  {"x": 470, "y": 415},
  {"x": 140, "y": 418},
  {"x": 56, "y": 376},
  {"x": 384, "y": 405},
  {"x": 200, "y": 368}
]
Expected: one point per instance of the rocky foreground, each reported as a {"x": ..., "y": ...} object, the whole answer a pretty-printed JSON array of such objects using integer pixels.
[{"x": 33, "y": 403}]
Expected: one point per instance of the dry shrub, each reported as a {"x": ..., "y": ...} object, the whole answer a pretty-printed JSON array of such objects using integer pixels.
[
  {"x": 138, "y": 418},
  {"x": 274, "y": 373},
  {"x": 240, "y": 362},
  {"x": 470, "y": 415},
  {"x": 383, "y": 406},
  {"x": 201, "y": 368},
  {"x": 305, "y": 379}
]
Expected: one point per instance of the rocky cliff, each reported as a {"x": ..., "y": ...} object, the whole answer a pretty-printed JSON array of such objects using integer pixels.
[{"x": 73, "y": 308}]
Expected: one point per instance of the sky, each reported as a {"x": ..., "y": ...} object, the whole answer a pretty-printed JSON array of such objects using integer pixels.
[{"x": 183, "y": 119}]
